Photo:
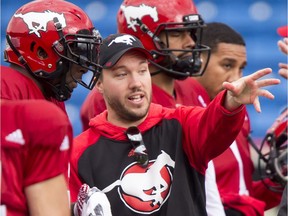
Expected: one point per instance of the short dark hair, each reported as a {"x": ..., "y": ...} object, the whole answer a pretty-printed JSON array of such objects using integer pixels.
[{"x": 217, "y": 32}]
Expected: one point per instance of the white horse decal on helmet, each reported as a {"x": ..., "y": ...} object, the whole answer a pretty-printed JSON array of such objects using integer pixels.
[
  {"x": 131, "y": 13},
  {"x": 37, "y": 21}
]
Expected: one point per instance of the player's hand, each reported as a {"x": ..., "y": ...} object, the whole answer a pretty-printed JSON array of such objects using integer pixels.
[
  {"x": 283, "y": 67},
  {"x": 283, "y": 45},
  {"x": 91, "y": 202},
  {"x": 247, "y": 90},
  {"x": 283, "y": 70}
]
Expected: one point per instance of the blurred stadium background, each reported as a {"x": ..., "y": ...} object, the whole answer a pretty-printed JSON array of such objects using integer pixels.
[{"x": 257, "y": 21}]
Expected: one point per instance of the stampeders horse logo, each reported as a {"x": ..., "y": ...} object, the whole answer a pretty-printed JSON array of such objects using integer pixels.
[
  {"x": 145, "y": 190},
  {"x": 37, "y": 21},
  {"x": 131, "y": 13},
  {"x": 127, "y": 39}
]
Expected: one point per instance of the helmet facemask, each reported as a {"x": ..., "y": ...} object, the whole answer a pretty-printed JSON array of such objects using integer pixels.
[
  {"x": 49, "y": 37},
  {"x": 183, "y": 65},
  {"x": 82, "y": 49},
  {"x": 273, "y": 154},
  {"x": 274, "y": 161}
]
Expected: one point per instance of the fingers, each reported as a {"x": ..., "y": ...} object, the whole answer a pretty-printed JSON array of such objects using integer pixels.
[
  {"x": 228, "y": 86},
  {"x": 285, "y": 41},
  {"x": 268, "y": 82},
  {"x": 256, "y": 104},
  {"x": 283, "y": 45},
  {"x": 247, "y": 90},
  {"x": 283, "y": 65},
  {"x": 283, "y": 71},
  {"x": 265, "y": 93},
  {"x": 260, "y": 73}
]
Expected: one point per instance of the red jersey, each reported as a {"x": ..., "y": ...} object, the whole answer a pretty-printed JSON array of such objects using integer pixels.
[
  {"x": 35, "y": 146},
  {"x": 16, "y": 86},
  {"x": 234, "y": 169}
]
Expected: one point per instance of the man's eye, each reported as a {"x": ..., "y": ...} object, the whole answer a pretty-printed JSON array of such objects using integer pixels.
[
  {"x": 228, "y": 66},
  {"x": 143, "y": 71},
  {"x": 174, "y": 34},
  {"x": 121, "y": 75}
]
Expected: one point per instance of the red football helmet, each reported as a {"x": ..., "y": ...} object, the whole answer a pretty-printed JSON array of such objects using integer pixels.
[
  {"x": 46, "y": 37},
  {"x": 146, "y": 19},
  {"x": 273, "y": 153}
]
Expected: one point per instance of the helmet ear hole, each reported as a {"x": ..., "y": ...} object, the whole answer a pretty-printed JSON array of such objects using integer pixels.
[
  {"x": 32, "y": 46},
  {"x": 41, "y": 53}
]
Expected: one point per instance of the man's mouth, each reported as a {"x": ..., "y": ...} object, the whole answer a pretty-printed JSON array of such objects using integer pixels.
[{"x": 136, "y": 98}]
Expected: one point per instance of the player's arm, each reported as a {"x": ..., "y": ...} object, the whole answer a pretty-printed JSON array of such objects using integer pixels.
[{"x": 48, "y": 197}]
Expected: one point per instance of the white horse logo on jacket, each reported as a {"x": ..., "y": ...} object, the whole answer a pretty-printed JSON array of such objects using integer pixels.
[
  {"x": 151, "y": 180},
  {"x": 37, "y": 21},
  {"x": 131, "y": 13}
]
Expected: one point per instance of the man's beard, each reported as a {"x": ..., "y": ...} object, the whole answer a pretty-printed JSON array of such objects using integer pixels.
[{"x": 124, "y": 113}]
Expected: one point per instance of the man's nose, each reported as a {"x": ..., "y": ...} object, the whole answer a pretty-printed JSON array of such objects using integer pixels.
[
  {"x": 135, "y": 80},
  {"x": 188, "y": 40}
]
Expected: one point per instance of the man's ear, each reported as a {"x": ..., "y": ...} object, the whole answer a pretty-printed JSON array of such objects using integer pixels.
[{"x": 99, "y": 86}]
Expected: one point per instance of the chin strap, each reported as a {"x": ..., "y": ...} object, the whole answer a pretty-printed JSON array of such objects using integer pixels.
[
  {"x": 170, "y": 72},
  {"x": 61, "y": 90}
]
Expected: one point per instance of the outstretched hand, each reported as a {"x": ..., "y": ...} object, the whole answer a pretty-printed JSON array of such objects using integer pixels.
[
  {"x": 247, "y": 90},
  {"x": 283, "y": 67}
]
